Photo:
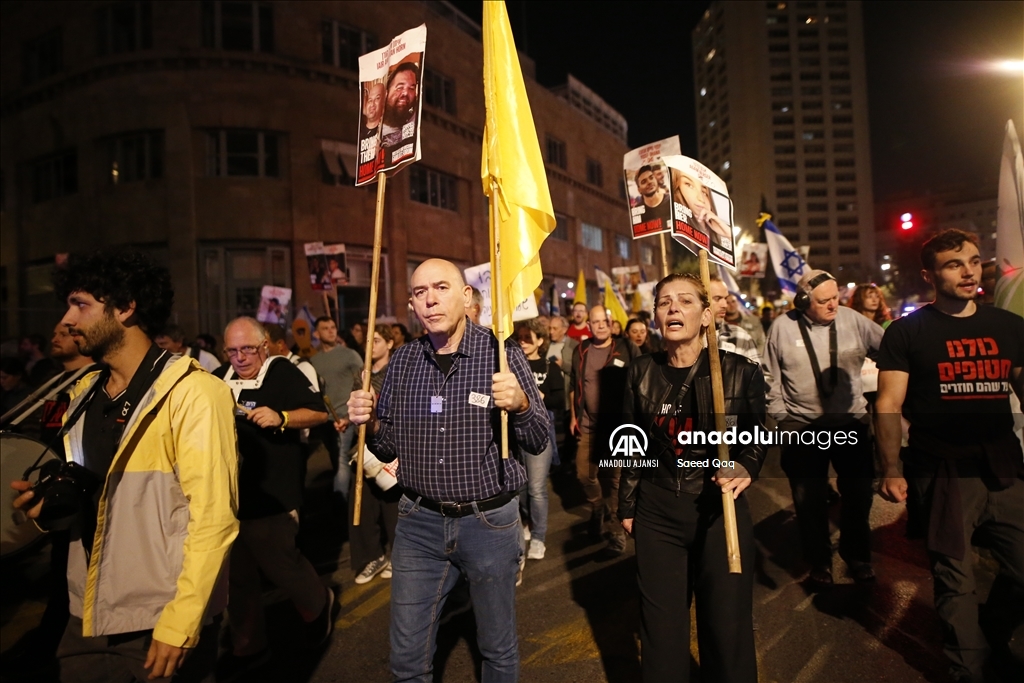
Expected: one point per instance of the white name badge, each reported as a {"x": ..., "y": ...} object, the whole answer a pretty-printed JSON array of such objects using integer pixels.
[
  {"x": 435, "y": 404},
  {"x": 618, "y": 363},
  {"x": 482, "y": 400},
  {"x": 799, "y": 343}
]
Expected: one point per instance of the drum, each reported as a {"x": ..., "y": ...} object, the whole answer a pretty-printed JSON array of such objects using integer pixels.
[{"x": 17, "y": 454}]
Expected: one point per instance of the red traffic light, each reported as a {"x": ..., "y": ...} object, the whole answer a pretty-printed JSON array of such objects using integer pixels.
[{"x": 907, "y": 221}]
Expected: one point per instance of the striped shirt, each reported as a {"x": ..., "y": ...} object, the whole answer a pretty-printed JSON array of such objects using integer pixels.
[{"x": 444, "y": 428}]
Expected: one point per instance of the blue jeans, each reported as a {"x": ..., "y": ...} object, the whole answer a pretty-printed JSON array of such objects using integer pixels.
[
  {"x": 534, "y": 502},
  {"x": 343, "y": 477},
  {"x": 429, "y": 554}
]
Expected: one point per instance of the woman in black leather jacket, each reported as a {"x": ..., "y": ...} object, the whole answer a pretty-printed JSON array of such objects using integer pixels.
[{"x": 671, "y": 499}]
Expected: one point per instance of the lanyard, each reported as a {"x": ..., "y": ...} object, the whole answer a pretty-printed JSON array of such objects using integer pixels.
[{"x": 833, "y": 351}]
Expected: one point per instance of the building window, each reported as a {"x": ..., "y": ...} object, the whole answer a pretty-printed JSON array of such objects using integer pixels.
[
  {"x": 338, "y": 163},
  {"x": 788, "y": 208},
  {"x": 785, "y": 163},
  {"x": 556, "y": 152},
  {"x": 814, "y": 163},
  {"x": 595, "y": 176},
  {"x": 819, "y": 221},
  {"x": 844, "y": 163},
  {"x": 647, "y": 254},
  {"x": 811, "y": 104},
  {"x": 846, "y": 191},
  {"x": 342, "y": 45},
  {"x": 788, "y": 223},
  {"x": 848, "y": 220},
  {"x": 439, "y": 91},
  {"x": 816, "y": 191},
  {"x": 846, "y": 177},
  {"x": 592, "y": 237},
  {"x": 434, "y": 188},
  {"x": 782, "y": 92},
  {"x": 55, "y": 176},
  {"x": 561, "y": 231},
  {"x": 135, "y": 156},
  {"x": 785, "y": 149},
  {"x": 124, "y": 27},
  {"x": 782, "y": 120},
  {"x": 243, "y": 26},
  {"x": 783, "y": 179},
  {"x": 849, "y": 235},
  {"x": 42, "y": 57},
  {"x": 850, "y": 250},
  {"x": 785, "y": 193},
  {"x": 817, "y": 206},
  {"x": 242, "y": 153},
  {"x": 622, "y": 246}
]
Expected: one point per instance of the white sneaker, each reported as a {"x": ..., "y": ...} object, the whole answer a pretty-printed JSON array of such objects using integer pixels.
[
  {"x": 386, "y": 572},
  {"x": 526, "y": 532},
  {"x": 372, "y": 569},
  {"x": 536, "y": 550}
]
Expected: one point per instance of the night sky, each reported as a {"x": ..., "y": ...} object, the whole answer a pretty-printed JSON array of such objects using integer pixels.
[{"x": 937, "y": 116}]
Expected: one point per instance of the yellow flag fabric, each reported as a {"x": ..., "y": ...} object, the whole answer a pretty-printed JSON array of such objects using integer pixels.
[
  {"x": 512, "y": 165},
  {"x": 581, "y": 290},
  {"x": 615, "y": 310}
]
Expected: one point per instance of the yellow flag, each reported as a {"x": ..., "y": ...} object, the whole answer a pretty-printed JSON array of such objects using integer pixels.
[
  {"x": 512, "y": 165},
  {"x": 615, "y": 310},
  {"x": 581, "y": 290}
]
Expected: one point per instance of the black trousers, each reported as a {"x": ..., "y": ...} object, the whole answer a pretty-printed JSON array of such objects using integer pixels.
[
  {"x": 680, "y": 542},
  {"x": 119, "y": 658},
  {"x": 807, "y": 469},
  {"x": 378, "y": 517}
]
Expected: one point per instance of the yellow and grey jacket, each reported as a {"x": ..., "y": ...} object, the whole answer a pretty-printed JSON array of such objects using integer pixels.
[{"x": 167, "y": 514}]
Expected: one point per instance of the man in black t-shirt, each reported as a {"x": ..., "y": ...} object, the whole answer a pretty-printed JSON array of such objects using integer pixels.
[
  {"x": 950, "y": 368},
  {"x": 274, "y": 403}
]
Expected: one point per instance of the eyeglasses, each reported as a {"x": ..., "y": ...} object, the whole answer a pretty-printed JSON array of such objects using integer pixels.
[{"x": 244, "y": 350}]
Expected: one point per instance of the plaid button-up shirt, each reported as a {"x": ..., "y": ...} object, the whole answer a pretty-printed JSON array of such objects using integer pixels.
[{"x": 455, "y": 455}]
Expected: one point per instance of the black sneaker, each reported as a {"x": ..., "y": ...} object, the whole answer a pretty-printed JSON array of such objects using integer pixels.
[
  {"x": 617, "y": 544},
  {"x": 319, "y": 630},
  {"x": 861, "y": 572},
  {"x": 231, "y": 667},
  {"x": 822, "y": 576}
]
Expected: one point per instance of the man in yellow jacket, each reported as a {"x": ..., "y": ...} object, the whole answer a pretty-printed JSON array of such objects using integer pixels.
[{"x": 156, "y": 434}]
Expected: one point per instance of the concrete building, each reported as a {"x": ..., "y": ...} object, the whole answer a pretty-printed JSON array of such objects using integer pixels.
[
  {"x": 782, "y": 115},
  {"x": 218, "y": 136}
]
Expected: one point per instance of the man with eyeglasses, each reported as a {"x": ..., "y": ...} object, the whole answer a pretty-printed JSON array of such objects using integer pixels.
[
  {"x": 597, "y": 383},
  {"x": 274, "y": 403}
]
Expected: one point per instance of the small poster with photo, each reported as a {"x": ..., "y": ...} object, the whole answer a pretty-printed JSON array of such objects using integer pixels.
[
  {"x": 480, "y": 277},
  {"x": 274, "y": 303},
  {"x": 337, "y": 267},
  {"x": 316, "y": 260},
  {"x": 702, "y": 210},
  {"x": 647, "y": 187},
  {"x": 390, "y": 106},
  {"x": 753, "y": 260}
]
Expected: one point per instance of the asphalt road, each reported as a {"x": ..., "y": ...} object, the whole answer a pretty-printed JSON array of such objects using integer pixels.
[{"x": 577, "y": 608}]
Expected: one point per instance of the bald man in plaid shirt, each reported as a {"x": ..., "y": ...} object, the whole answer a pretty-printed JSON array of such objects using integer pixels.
[{"x": 438, "y": 413}]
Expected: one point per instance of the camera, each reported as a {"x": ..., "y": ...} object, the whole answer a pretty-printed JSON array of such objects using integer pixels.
[{"x": 64, "y": 488}]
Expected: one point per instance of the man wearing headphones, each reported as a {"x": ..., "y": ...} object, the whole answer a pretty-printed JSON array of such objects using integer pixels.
[{"x": 815, "y": 354}]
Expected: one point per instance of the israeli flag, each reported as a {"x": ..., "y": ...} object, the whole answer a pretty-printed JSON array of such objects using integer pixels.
[{"x": 789, "y": 264}]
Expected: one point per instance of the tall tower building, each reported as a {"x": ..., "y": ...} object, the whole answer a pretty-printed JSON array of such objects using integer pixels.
[{"x": 782, "y": 114}]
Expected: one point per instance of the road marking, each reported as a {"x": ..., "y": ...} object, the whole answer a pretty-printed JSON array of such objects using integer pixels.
[
  {"x": 810, "y": 670},
  {"x": 570, "y": 642},
  {"x": 365, "y": 609}
]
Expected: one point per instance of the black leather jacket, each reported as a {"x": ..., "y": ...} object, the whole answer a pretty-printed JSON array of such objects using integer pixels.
[{"x": 646, "y": 391}]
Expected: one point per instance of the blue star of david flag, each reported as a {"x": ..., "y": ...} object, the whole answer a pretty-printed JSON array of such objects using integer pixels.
[{"x": 789, "y": 264}]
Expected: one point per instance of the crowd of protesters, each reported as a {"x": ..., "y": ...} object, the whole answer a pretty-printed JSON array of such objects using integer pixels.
[{"x": 433, "y": 453}]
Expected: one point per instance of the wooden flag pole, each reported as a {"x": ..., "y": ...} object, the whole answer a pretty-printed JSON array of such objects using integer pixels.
[
  {"x": 371, "y": 323},
  {"x": 732, "y": 539},
  {"x": 498, "y": 308},
  {"x": 664, "y": 255}
]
